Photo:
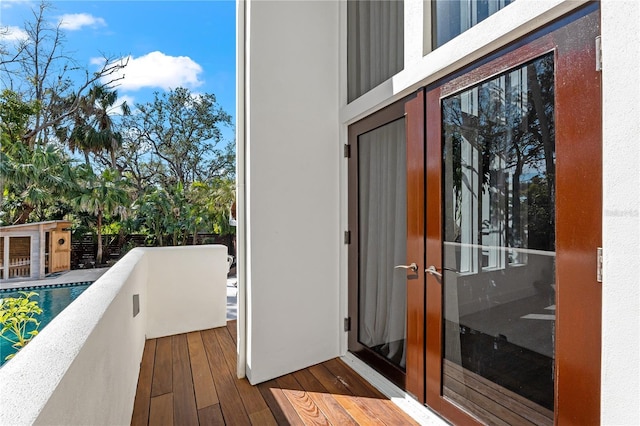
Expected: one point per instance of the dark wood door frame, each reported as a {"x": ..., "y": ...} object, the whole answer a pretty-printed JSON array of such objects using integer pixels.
[
  {"x": 412, "y": 109},
  {"x": 416, "y": 292},
  {"x": 578, "y": 213}
]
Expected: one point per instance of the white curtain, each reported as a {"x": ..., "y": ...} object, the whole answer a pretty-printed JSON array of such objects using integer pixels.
[
  {"x": 375, "y": 43},
  {"x": 382, "y": 239}
]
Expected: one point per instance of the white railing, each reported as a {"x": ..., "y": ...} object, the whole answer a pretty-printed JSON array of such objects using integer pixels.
[{"x": 82, "y": 369}]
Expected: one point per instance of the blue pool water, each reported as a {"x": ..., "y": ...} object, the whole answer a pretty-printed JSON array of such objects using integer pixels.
[{"x": 51, "y": 299}]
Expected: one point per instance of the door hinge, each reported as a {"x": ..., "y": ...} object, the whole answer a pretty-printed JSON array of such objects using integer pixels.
[
  {"x": 347, "y": 150},
  {"x": 347, "y": 237},
  {"x": 598, "y": 53},
  {"x": 347, "y": 324},
  {"x": 599, "y": 267}
]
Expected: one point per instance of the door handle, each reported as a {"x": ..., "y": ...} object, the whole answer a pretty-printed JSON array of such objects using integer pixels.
[
  {"x": 432, "y": 270},
  {"x": 413, "y": 267}
]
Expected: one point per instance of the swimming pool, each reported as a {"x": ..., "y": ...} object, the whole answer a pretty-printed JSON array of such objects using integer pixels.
[{"x": 52, "y": 299}]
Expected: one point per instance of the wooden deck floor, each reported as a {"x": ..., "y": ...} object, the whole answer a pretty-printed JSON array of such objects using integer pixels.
[{"x": 189, "y": 379}]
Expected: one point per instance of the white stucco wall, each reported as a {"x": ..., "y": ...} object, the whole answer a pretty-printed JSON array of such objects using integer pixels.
[
  {"x": 82, "y": 369},
  {"x": 621, "y": 213},
  {"x": 179, "y": 302},
  {"x": 292, "y": 156}
]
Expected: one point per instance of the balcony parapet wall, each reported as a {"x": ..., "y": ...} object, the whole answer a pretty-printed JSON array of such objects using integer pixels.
[{"x": 83, "y": 366}]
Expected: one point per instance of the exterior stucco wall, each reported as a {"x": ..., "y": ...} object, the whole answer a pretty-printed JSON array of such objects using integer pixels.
[
  {"x": 621, "y": 217},
  {"x": 292, "y": 159},
  {"x": 178, "y": 302}
]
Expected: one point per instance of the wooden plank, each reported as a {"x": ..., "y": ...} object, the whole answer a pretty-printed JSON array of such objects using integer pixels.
[
  {"x": 205, "y": 388},
  {"x": 200, "y": 367},
  {"x": 185, "y": 412},
  {"x": 232, "y": 326},
  {"x": 361, "y": 413},
  {"x": 250, "y": 395},
  {"x": 282, "y": 410},
  {"x": 516, "y": 403},
  {"x": 232, "y": 407},
  {"x": 162, "y": 370},
  {"x": 376, "y": 402},
  {"x": 263, "y": 417},
  {"x": 333, "y": 411},
  {"x": 140, "y": 416},
  {"x": 352, "y": 380},
  {"x": 211, "y": 415},
  {"x": 301, "y": 402},
  {"x": 161, "y": 410}
]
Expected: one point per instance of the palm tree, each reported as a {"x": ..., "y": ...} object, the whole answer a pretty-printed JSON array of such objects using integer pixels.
[
  {"x": 104, "y": 194},
  {"x": 104, "y": 134},
  {"x": 154, "y": 208},
  {"x": 94, "y": 129},
  {"x": 212, "y": 201},
  {"x": 34, "y": 179}
]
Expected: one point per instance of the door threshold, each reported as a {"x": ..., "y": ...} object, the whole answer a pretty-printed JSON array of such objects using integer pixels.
[{"x": 420, "y": 413}]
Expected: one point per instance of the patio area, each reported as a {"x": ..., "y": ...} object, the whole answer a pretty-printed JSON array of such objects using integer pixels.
[{"x": 189, "y": 379}]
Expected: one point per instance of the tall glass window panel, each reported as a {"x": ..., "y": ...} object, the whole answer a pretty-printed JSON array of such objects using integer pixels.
[
  {"x": 453, "y": 17},
  {"x": 382, "y": 232},
  {"x": 375, "y": 43},
  {"x": 499, "y": 246}
]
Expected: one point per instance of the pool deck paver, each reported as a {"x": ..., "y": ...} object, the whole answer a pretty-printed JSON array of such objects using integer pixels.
[{"x": 73, "y": 276}]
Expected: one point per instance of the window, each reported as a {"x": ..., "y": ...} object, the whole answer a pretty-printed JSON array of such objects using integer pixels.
[
  {"x": 499, "y": 248},
  {"x": 375, "y": 43},
  {"x": 453, "y": 17},
  {"x": 500, "y": 168}
]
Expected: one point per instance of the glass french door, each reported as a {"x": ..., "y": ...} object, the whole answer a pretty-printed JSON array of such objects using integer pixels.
[
  {"x": 512, "y": 226},
  {"x": 386, "y": 254}
]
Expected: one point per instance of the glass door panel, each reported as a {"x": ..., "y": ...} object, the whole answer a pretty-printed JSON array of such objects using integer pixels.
[
  {"x": 499, "y": 246},
  {"x": 382, "y": 241}
]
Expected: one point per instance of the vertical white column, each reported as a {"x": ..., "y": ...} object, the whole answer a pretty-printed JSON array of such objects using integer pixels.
[
  {"x": 413, "y": 31},
  {"x": 242, "y": 41},
  {"x": 620, "y": 402}
]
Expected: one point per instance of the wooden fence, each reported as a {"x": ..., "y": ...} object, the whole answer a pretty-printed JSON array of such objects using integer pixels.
[
  {"x": 85, "y": 247},
  {"x": 19, "y": 267}
]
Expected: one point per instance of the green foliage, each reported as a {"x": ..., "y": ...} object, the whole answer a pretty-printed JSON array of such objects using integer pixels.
[
  {"x": 103, "y": 195},
  {"x": 14, "y": 117},
  {"x": 18, "y": 320},
  {"x": 164, "y": 171},
  {"x": 33, "y": 180}
]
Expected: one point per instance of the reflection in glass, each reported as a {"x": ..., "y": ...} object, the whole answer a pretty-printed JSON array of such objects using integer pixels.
[
  {"x": 382, "y": 231},
  {"x": 499, "y": 244},
  {"x": 453, "y": 17}
]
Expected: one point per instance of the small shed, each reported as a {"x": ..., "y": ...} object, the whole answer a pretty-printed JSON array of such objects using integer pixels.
[{"x": 33, "y": 250}]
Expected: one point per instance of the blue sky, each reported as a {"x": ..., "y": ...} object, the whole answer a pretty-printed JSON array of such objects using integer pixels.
[{"x": 169, "y": 43}]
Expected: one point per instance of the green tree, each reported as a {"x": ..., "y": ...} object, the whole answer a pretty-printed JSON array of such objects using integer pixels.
[
  {"x": 94, "y": 130},
  {"x": 180, "y": 132},
  {"x": 154, "y": 210},
  {"x": 211, "y": 201},
  {"x": 33, "y": 179},
  {"x": 43, "y": 71},
  {"x": 105, "y": 194}
]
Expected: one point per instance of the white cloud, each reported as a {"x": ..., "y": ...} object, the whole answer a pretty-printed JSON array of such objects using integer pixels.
[
  {"x": 157, "y": 70},
  {"x": 116, "y": 109},
  {"x": 6, "y": 4},
  {"x": 13, "y": 33},
  {"x": 76, "y": 21}
]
